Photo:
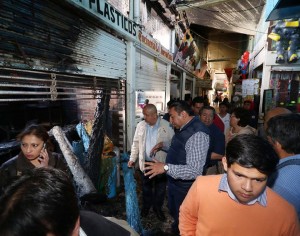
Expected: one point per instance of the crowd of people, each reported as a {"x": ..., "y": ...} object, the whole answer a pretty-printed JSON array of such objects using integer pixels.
[
  {"x": 38, "y": 196},
  {"x": 219, "y": 175},
  {"x": 218, "y": 168}
]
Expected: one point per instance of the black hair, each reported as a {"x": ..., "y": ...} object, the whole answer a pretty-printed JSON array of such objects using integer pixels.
[
  {"x": 208, "y": 108},
  {"x": 41, "y": 201},
  {"x": 180, "y": 106},
  {"x": 226, "y": 104},
  {"x": 225, "y": 100},
  {"x": 197, "y": 100},
  {"x": 243, "y": 115},
  {"x": 36, "y": 130},
  {"x": 169, "y": 103},
  {"x": 251, "y": 151},
  {"x": 39, "y": 131},
  {"x": 285, "y": 129}
]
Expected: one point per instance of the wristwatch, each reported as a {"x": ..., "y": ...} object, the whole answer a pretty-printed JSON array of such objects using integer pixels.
[{"x": 166, "y": 168}]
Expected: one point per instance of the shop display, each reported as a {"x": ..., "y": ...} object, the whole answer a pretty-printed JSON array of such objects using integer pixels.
[{"x": 286, "y": 36}]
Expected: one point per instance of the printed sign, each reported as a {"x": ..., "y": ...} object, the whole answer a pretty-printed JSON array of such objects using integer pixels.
[
  {"x": 110, "y": 15},
  {"x": 128, "y": 28}
]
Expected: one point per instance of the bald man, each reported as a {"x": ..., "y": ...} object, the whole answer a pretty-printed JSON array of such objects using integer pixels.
[
  {"x": 274, "y": 112},
  {"x": 151, "y": 133}
]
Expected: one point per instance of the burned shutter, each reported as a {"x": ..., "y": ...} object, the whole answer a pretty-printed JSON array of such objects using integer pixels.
[
  {"x": 53, "y": 36},
  {"x": 23, "y": 85}
]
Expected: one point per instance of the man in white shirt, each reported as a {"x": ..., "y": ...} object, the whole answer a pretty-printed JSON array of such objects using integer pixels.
[
  {"x": 149, "y": 134},
  {"x": 224, "y": 115}
]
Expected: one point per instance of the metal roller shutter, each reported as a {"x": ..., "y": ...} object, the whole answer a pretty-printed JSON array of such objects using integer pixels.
[
  {"x": 151, "y": 73},
  {"x": 53, "y": 36},
  {"x": 23, "y": 85}
]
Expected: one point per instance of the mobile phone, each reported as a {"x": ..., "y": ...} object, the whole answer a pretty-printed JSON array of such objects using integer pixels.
[{"x": 44, "y": 147}]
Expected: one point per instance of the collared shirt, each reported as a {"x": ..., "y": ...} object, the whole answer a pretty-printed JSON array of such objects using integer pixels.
[
  {"x": 287, "y": 182},
  {"x": 151, "y": 139},
  {"x": 186, "y": 123},
  {"x": 81, "y": 232},
  {"x": 196, "y": 150},
  {"x": 226, "y": 121},
  {"x": 261, "y": 199}
]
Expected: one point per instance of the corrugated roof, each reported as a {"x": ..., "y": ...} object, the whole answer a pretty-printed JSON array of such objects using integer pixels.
[{"x": 240, "y": 16}]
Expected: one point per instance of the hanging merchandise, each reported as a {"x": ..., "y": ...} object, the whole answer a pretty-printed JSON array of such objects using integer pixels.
[
  {"x": 243, "y": 65},
  {"x": 286, "y": 35},
  {"x": 286, "y": 86},
  {"x": 187, "y": 53}
]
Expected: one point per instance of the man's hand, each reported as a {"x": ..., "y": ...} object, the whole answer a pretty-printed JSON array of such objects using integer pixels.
[
  {"x": 156, "y": 148},
  {"x": 130, "y": 164},
  {"x": 154, "y": 168}
]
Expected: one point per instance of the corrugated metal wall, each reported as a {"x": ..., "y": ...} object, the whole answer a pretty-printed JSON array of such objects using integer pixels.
[
  {"x": 151, "y": 73},
  {"x": 53, "y": 57},
  {"x": 49, "y": 36},
  {"x": 24, "y": 85}
]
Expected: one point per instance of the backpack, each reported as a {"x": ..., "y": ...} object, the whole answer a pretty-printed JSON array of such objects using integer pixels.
[{"x": 273, "y": 176}]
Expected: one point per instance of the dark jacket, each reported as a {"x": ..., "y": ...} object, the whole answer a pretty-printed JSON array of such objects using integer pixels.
[
  {"x": 94, "y": 224},
  {"x": 19, "y": 164},
  {"x": 216, "y": 145},
  {"x": 176, "y": 153}
]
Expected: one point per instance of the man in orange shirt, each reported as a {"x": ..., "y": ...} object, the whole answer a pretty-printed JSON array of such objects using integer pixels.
[{"x": 238, "y": 202}]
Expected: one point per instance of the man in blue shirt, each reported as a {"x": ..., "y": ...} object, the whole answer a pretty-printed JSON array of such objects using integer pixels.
[
  {"x": 216, "y": 149},
  {"x": 150, "y": 133},
  {"x": 283, "y": 132},
  {"x": 186, "y": 157},
  {"x": 197, "y": 104}
]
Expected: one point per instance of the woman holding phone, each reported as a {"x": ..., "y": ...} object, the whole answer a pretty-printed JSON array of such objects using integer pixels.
[{"x": 36, "y": 152}]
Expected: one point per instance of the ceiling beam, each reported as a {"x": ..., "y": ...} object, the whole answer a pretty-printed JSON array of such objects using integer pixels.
[{"x": 205, "y": 3}]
